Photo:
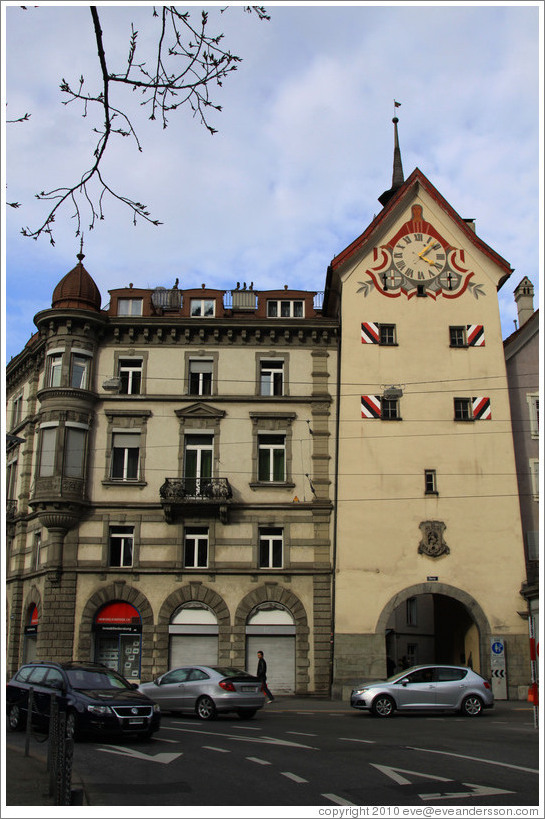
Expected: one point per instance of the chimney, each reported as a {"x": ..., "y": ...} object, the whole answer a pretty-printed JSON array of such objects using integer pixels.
[{"x": 524, "y": 297}]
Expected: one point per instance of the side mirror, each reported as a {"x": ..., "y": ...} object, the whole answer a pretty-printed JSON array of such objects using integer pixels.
[
  {"x": 405, "y": 681},
  {"x": 157, "y": 681}
]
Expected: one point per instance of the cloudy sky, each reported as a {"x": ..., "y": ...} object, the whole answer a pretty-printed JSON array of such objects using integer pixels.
[{"x": 304, "y": 144}]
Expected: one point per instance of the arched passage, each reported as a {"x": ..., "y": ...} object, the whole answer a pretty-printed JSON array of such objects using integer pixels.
[{"x": 435, "y": 622}]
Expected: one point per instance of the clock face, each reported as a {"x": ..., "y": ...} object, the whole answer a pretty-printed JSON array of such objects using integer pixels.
[
  {"x": 417, "y": 261},
  {"x": 419, "y": 257}
]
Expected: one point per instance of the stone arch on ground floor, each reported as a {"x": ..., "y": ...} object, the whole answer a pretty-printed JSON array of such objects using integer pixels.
[
  {"x": 471, "y": 606},
  {"x": 118, "y": 590},
  {"x": 275, "y": 593},
  {"x": 32, "y": 598},
  {"x": 192, "y": 592}
]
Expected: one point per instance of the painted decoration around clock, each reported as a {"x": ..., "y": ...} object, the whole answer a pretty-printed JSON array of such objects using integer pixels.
[{"x": 417, "y": 260}]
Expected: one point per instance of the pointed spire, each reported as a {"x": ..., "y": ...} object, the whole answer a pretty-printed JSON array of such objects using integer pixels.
[{"x": 397, "y": 174}]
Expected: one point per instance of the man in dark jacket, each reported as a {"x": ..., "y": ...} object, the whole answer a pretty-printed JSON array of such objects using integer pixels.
[{"x": 261, "y": 675}]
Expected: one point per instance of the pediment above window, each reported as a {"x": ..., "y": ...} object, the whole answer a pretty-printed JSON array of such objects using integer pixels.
[{"x": 200, "y": 410}]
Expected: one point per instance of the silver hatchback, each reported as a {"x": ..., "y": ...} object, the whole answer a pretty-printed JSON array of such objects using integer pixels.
[
  {"x": 426, "y": 687},
  {"x": 206, "y": 691}
]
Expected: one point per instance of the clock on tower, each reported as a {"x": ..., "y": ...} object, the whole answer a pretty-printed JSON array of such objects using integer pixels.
[{"x": 417, "y": 260}]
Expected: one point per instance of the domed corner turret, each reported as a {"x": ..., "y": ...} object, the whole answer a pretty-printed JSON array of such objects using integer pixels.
[{"x": 77, "y": 290}]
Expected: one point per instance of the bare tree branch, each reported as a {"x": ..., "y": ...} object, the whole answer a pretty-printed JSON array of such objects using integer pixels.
[{"x": 188, "y": 62}]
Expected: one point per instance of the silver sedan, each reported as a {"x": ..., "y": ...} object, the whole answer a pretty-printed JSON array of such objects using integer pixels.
[
  {"x": 426, "y": 687},
  {"x": 206, "y": 691}
]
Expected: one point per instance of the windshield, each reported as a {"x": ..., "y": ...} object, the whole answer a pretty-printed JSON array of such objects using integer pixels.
[
  {"x": 400, "y": 674},
  {"x": 84, "y": 678}
]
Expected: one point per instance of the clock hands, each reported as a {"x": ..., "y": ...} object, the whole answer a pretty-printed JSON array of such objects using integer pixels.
[
  {"x": 424, "y": 259},
  {"x": 425, "y": 249}
]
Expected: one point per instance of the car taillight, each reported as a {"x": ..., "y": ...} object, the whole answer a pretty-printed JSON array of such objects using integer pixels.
[
  {"x": 486, "y": 684},
  {"x": 227, "y": 686}
]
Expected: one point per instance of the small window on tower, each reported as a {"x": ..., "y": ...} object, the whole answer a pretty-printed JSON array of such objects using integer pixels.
[
  {"x": 462, "y": 409},
  {"x": 388, "y": 335},
  {"x": 430, "y": 481},
  {"x": 458, "y": 337}
]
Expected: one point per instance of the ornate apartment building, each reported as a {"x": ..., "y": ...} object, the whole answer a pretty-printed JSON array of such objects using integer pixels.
[
  {"x": 194, "y": 475},
  {"x": 170, "y": 477}
]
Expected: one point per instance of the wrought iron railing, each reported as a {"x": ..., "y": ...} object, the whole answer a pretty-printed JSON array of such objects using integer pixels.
[{"x": 180, "y": 490}]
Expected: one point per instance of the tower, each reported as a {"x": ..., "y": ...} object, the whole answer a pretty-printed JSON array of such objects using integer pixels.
[{"x": 426, "y": 500}]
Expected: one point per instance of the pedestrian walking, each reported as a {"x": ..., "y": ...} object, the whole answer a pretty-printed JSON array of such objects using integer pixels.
[{"x": 261, "y": 675}]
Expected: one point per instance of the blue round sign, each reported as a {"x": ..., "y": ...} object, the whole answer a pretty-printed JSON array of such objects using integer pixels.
[{"x": 497, "y": 648}]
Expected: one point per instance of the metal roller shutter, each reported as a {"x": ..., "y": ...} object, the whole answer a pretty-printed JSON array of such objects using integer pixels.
[
  {"x": 279, "y": 652},
  {"x": 193, "y": 649}
]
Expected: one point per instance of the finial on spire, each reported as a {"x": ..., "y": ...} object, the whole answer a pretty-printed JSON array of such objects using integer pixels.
[
  {"x": 81, "y": 255},
  {"x": 397, "y": 174}
]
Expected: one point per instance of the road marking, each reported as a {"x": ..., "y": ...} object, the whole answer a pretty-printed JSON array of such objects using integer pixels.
[
  {"x": 264, "y": 740},
  {"x": 476, "y": 790},
  {"x": 475, "y": 759},
  {"x": 219, "y": 750},
  {"x": 338, "y": 800},
  {"x": 161, "y": 739},
  {"x": 293, "y": 777},
  {"x": 300, "y": 733},
  {"x": 164, "y": 759},
  {"x": 258, "y": 760},
  {"x": 349, "y": 739},
  {"x": 395, "y": 774}
]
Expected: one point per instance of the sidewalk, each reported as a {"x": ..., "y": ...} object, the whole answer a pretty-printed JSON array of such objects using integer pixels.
[{"x": 27, "y": 777}]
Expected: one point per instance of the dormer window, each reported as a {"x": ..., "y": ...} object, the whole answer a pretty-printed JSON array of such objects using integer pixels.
[
  {"x": 202, "y": 308},
  {"x": 129, "y": 307},
  {"x": 285, "y": 308}
]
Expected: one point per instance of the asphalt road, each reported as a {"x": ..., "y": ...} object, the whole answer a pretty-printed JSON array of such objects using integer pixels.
[{"x": 321, "y": 756}]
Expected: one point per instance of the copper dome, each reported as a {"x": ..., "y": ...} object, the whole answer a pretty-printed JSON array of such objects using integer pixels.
[{"x": 77, "y": 290}]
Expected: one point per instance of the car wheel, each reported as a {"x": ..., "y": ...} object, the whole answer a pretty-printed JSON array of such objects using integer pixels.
[
  {"x": 71, "y": 725},
  {"x": 472, "y": 706},
  {"x": 383, "y": 706},
  {"x": 247, "y": 713},
  {"x": 15, "y": 719},
  {"x": 205, "y": 708}
]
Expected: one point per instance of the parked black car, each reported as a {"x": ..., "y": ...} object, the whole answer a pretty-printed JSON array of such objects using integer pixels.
[{"x": 96, "y": 698}]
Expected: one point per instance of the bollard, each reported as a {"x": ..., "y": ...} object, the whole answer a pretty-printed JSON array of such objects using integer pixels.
[{"x": 30, "y": 705}]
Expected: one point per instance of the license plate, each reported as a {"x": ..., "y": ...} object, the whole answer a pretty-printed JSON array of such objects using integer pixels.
[
  {"x": 136, "y": 722},
  {"x": 249, "y": 688}
]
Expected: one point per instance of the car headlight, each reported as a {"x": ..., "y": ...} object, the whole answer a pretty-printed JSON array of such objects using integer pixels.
[
  {"x": 99, "y": 709},
  {"x": 360, "y": 690},
  {"x": 156, "y": 708}
]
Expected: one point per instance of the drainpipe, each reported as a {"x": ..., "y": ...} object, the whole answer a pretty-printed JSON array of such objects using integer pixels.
[{"x": 335, "y": 497}]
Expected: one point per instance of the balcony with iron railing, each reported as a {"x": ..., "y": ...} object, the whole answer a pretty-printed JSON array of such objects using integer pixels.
[{"x": 187, "y": 497}]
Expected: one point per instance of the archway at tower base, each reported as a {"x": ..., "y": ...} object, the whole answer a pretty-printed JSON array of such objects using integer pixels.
[{"x": 439, "y": 625}]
